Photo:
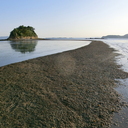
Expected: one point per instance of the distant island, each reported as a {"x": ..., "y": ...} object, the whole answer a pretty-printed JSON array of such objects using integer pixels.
[
  {"x": 23, "y": 32},
  {"x": 115, "y": 36}
]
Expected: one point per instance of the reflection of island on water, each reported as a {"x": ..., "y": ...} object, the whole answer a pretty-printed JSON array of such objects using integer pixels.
[{"x": 24, "y": 46}]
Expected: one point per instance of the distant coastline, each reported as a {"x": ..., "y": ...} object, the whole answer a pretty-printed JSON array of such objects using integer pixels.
[
  {"x": 62, "y": 39},
  {"x": 115, "y": 36},
  {"x": 5, "y": 38}
]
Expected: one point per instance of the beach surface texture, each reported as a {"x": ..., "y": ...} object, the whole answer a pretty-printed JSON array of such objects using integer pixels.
[{"x": 73, "y": 89}]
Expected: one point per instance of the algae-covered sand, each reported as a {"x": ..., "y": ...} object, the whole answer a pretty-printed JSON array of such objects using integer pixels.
[{"x": 73, "y": 89}]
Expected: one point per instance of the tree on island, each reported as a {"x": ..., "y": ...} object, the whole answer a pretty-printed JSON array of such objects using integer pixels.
[{"x": 23, "y": 32}]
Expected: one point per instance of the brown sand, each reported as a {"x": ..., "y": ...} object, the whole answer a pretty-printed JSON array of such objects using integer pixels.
[{"x": 72, "y": 89}]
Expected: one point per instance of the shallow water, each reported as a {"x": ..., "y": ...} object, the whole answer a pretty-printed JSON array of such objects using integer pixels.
[
  {"x": 121, "y": 45},
  {"x": 120, "y": 120},
  {"x": 17, "y": 51}
]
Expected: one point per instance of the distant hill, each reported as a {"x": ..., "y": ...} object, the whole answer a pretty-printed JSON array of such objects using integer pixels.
[
  {"x": 115, "y": 36},
  {"x": 23, "y": 32},
  {"x": 3, "y": 37},
  {"x": 125, "y": 36}
]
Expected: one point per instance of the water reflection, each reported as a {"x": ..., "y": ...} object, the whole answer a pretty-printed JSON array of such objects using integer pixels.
[
  {"x": 34, "y": 49},
  {"x": 24, "y": 46}
]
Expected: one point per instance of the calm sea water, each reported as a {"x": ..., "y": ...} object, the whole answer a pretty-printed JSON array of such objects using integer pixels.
[{"x": 17, "y": 51}]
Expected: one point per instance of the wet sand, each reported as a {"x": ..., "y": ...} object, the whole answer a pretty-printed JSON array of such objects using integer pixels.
[{"x": 73, "y": 89}]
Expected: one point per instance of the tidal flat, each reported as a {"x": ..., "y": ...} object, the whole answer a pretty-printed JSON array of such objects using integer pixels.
[{"x": 73, "y": 89}]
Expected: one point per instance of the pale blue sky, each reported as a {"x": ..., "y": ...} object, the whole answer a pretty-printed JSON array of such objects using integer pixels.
[{"x": 65, "y": 18}]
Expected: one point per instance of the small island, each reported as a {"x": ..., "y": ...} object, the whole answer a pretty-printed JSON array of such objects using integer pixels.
[{"x": 23, "y": 32}]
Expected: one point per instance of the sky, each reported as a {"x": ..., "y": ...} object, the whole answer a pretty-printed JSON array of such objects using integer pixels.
[{"x": 65, "y": 18}]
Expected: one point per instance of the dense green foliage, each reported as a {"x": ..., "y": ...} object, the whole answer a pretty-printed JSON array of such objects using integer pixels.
[{"x": 23, "y": 32}]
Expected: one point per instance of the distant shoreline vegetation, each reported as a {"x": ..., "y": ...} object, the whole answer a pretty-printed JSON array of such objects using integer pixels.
[{"x": 23, "y": 32}]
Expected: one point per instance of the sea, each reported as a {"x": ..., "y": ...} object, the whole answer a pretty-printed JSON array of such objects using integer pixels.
[{"x": 17, "y": 51}]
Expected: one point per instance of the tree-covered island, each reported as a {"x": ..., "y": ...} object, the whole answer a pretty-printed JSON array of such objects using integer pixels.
[{"x": 23, "y": 32}]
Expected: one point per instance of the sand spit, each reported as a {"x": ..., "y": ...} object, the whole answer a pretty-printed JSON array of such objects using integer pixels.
[{"x": 72, "y": 89}]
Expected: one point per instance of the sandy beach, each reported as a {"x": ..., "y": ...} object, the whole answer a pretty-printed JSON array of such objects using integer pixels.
[{"x": 73, "y": 89}]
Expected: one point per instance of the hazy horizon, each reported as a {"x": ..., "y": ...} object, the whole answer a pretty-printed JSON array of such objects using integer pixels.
[{"x": 58, "y": 18}]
